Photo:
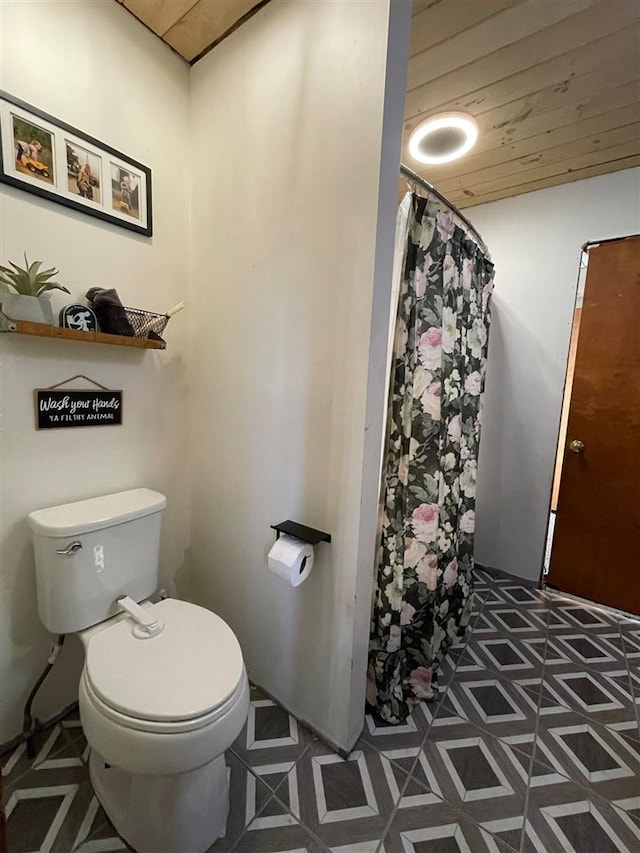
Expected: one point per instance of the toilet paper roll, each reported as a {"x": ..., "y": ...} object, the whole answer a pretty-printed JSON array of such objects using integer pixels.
[{"x": 291, "y": 559}]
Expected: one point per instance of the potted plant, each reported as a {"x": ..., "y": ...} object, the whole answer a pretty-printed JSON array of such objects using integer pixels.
[{"x": 21, "y": 292}]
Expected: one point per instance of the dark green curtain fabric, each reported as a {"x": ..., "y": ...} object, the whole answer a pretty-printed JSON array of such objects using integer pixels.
[{"x": 422, "y": 591}]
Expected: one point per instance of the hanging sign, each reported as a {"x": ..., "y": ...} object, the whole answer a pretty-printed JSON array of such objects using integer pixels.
[{"x": 65, "y": 407}]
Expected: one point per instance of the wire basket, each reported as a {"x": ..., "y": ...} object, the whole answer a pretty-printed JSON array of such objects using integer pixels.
[{"x": 146, "y": 324}]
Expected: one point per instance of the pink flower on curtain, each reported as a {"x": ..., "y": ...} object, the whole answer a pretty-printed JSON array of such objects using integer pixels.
[
  {"x": 467, "y": 273},
  {"x": 424, "y": 520},
  {"x": 430, "y": 348},
  {"x": 431, "y": 400},
  {"x": 393, "y": 643},
  {"x": 406, "y": 613},
  {"x": 414, "y": 551},
  {"x": 450, "y": 575},
  {"x": 445, "y": 226},
  {"x": 427, "y": 571},
  {"x": 454, "y": 430},
  {"x": 420, "y": 680},
  {"x": 468, "y": 521}
]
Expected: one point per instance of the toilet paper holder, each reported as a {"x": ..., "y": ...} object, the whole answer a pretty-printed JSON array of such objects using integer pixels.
[{"x": 301, "y": 531}]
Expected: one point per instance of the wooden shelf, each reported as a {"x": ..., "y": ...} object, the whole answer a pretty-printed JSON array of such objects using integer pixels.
[{"x": 41, "y": 330}]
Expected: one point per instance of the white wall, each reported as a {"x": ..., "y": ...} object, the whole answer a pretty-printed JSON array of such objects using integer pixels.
[
  {"x": 535, "y": 242},
  {"x": 94, "y": 66},
  {"x": 287, "y": 126}
]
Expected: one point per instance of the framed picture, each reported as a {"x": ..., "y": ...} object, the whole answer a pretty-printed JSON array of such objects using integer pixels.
[{"x": 51, "y": 159}]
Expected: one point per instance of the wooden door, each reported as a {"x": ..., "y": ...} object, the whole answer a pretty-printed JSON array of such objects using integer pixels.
[{"x": 596, "y": 544}]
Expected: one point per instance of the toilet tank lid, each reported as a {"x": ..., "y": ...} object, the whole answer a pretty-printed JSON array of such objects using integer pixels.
[{"x": 79, "y": 517}]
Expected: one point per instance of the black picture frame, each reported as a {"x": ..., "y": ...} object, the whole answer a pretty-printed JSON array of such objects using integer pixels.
[{"x": 116, "y": 189}]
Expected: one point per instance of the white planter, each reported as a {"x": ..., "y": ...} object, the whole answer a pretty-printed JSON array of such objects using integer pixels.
[{"x": 34, "y": 309}]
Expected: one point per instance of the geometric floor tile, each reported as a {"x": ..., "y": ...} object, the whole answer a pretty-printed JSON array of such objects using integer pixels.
[
  {"x": 628, "y": 809},
  {"x": 587, "y": 693},
  {"x": 504, "y": 655},
  {"x": 542, "y": 696},
  {"x": 473, "y": 770},
  {"x": 476, "y": 775},
  {"x": 558, "y": 621},
  {"x": 439, "y": 828},
  {"x": 420, "y": 790},
  {"x": 483, "y": 625},
  {"x": 410, "y": 734},
  {"x": 492, "y": 701},
  {"x": 588, "y": 617},
  {"x": 532, "y": 745},
  {"x": 580, "y": 826},
  {"x": 597, "y": 757},
  {"x": 631, "y": 645},
  {"x": 566, "y": 819},
  {"x": 269, "y": 726},
  {"x": 596, "y": 760},
  {"x": 290, "y": 839},
  {"x": 622, "y": 679},
  {"x": 522, "y": 594},
  {"x": 90, "y": 839},
  {"x": 534, "y": 761},
  {"x": 65, "y": 740},
  {"x": 350, "y": 800},
  {"x": 35, "y": 816},
  {"x": 517, "y": 621},
  {"x": 586, "y": 649},
  {"x": 270, "y": 735},
  {"x": 493, "y": 704},
  {"x": 343, "y": 787}
]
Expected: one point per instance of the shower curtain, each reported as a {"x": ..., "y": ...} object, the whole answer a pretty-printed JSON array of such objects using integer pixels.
[{"x": 423, "y": 584}]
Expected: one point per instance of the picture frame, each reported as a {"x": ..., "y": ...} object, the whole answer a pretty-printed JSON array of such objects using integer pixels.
[{"x": 51, "y": 159}]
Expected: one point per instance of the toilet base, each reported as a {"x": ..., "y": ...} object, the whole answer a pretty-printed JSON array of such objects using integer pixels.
[{"x": 164, "y": 814}]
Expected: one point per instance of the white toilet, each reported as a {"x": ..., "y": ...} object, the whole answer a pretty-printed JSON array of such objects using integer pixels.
[{"x": 163, "y": 692}]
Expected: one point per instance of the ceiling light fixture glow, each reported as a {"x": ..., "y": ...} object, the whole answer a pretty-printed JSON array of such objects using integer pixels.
[{"x": 447, "y": 129}]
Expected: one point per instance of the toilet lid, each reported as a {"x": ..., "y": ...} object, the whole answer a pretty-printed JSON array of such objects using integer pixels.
[{"x": 187, "y": 670}]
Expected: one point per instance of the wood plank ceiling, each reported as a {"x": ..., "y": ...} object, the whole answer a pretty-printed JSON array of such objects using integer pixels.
[
  {"x": 554, "y": 87},
  {"x": 553, "y": 84},
  {"x": 192, "y": 27}
]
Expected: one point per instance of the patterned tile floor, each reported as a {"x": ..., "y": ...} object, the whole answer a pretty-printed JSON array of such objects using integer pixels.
[{"x": 532, "y": 746}]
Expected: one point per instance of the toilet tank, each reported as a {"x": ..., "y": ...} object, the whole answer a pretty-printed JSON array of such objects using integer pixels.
[{"x": 90, "y": 553}]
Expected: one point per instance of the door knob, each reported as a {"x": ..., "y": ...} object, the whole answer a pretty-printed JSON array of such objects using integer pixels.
[{"x": 576, "y": 446}]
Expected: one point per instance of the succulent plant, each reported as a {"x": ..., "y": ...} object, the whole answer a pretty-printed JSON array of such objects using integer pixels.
[{"x": 29, "y": 281}]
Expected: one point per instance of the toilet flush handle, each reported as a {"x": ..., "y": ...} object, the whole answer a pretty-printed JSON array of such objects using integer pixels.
[{"x": 146, "y": 625}]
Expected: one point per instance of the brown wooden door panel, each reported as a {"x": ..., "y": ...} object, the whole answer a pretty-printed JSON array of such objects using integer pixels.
[{"x": 596, "y": 544}]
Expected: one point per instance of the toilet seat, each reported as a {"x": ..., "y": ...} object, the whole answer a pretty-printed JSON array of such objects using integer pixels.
[
  {"x": 178, "y": 680},
  {"x": 163, "y": 727},
  {"x": 140, "y": 746}
]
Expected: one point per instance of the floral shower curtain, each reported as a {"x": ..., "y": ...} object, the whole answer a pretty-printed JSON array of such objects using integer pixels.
[{"x": 422, "y": 592}]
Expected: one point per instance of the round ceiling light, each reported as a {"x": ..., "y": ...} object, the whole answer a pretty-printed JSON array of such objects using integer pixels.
[{"x": 443, "y": 138}]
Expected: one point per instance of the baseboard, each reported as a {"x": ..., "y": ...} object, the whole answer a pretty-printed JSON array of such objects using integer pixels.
[
  {"x": 343, "y": 753},
  {"x": 499, "y": 573}
]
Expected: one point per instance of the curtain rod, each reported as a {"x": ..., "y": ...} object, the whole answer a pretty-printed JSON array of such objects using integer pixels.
[{"x": 413, "y": 176}]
